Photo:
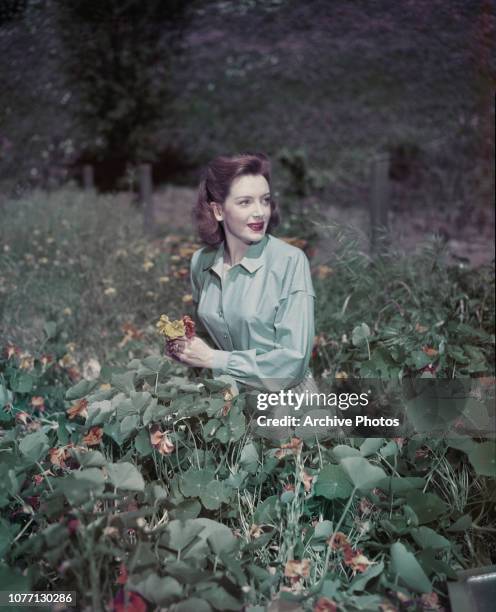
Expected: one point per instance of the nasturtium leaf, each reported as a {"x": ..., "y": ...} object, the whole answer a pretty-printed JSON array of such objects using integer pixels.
[
  {"x": 187, "y": 509},
  {"x": 332, "y": 483},
  {"x": 128, "y": 425},
  {"x": 125, "y": 408},
  {"x": 462, "y": 524},
  {"x": 123, "y": 382},
  {"x": 249, "y": 460},
  {"x": 390, "y": 449},
  {"x": 371, "y": 446},
  {"x": 126, "y": 476},
  {"x": 360, "y": 334},
  {"x": 360, "y": 582},
  {"x": 180, "y": 534},
  {"x": 151, "y": 412},
  {"x": 408, "y": 569},
  {"x": 99, "y": 412},
  {"x": 22, "y": 382},
  {"x": 341, "y": 451},
  {"x": 222, "y": 434},
  {"x": 427, "y": 506},
  {"x": 267, "y": 511},
  {"x": 463, "y": 443},
  {"x": 80, "y": 486},
  {"x": 419, "y": 359},
  {"x": 220, "y": 599},
  {"x": 195, "y": 482},
  {"x": 160, "y": 590},
  {"x": 456, "y": 353},
  {"x": 193, "y": 604},
  {"x": 215, "y": 494},
  {"x": 287, "y": 497},
  {"x": 90, "y": 459},
  {"x": 322, "y": 530},
  {"x": 237, "y": 426},
  {"x": 81, "y": 389},
  {"x": 483, "y": 458},
  {"x": 34, "y": 446},
  {"x": 399, "y": 485},
  {"x": 432, "y": 565},
  {"x": 113, "y": 430},
  {"x": 362, "y": 473},
  {"x": 428, "y": 538},
  {"x": 5, "y": 396},
  {"x": 142, "y": 443}
]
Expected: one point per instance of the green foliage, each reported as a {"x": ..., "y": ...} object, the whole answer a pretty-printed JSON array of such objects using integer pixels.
[
  {"x": 417, "y": 314},
  {"x": 117, "y": 56},
  {"x": 143, "y": 481}
]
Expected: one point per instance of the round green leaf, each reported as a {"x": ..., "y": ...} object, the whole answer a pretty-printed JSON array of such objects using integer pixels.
[{"x": 408, "y": 569}]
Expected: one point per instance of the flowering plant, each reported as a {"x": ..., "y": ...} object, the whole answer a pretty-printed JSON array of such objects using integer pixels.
[{"x": 172, "y": 330}]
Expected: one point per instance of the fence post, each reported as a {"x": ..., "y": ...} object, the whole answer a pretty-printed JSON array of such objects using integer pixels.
[
  {"x": 379, "y": 200},
  {"x": 146, "y": 197},
  {"x": 88, "y": 177}
]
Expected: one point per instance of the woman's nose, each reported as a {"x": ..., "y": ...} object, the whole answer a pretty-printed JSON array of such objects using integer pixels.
[{"x": 258, "y": 210}]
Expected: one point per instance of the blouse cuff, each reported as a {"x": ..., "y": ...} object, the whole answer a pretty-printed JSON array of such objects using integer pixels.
[{"x": 220, "y": 360}]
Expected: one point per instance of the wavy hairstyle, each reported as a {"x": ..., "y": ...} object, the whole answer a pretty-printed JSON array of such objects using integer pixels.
[{"x": 215, "y": 185}]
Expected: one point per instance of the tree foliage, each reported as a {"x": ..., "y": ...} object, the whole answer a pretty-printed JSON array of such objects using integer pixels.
[{"x": 118, "y": 56}]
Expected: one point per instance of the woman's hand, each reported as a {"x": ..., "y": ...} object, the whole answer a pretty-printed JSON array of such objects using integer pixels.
[{"x": 194, "y": 352}]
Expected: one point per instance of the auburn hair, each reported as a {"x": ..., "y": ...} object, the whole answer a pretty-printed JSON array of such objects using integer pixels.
[{"x": 216, "y": 180}]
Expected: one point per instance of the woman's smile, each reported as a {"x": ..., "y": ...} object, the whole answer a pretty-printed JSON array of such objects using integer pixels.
[{"x": 257, "y": 227}]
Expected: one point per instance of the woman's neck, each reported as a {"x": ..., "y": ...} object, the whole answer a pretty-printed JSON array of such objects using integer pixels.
[{"x": 234, "y": 251}]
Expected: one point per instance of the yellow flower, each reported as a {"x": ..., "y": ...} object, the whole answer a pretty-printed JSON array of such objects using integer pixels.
[
  {"x": 27, "y": 361},
  {"x": 147, "y": 265},
  {"x": 50, "y": 239},
  {"x": 110, "y": 291},
  {"x": 341, "y": 375},
  {"x": 163, "y": 279},
  {"x": 324, "y": 271},
  {"x": 175, "y": 258},
  {"x": 187, "y": 299},
  {"x": 43, "y": 260},
  {"x": 67, "y": 312},
  {"x": 170, "y": 329}
]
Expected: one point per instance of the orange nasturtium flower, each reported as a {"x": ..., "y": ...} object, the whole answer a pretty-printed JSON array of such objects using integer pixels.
[
  {"x": 176, "y": 329},
  {"x": 80, "y": 408},
  {"x": 93, "y": 437}
]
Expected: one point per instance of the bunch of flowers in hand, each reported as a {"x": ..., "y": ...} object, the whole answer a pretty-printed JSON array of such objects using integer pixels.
[{"x": 184, "y": 328}]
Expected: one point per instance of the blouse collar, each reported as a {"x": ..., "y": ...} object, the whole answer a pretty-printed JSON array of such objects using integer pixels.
[{"x": 253, "y": 260}]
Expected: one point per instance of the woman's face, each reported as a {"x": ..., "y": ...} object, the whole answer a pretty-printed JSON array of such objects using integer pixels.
[{"x": 246, "y": 211}]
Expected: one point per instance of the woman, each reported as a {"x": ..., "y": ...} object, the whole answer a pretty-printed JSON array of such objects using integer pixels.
[{"x": 252, "y": 292}]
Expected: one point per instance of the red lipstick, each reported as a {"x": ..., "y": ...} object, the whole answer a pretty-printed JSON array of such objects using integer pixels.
[{"x": 256, "y": 227}]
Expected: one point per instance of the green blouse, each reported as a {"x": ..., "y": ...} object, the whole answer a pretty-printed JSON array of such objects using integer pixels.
[{"x": 260, "y": 316}]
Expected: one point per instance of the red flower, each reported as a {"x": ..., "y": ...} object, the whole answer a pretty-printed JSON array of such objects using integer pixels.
[
  {"x": 128, "y": 601},
  {"x": 189, "y": 326}
]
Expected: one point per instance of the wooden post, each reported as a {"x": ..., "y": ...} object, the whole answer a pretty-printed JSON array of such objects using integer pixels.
[
  {"x": 146, "y": 197},
  {"x": 88, "y": 177},
  {"x": 379, "y": 201}
]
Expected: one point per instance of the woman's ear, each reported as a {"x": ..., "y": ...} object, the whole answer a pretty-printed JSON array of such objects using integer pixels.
[{"x": 217, "y": 210}]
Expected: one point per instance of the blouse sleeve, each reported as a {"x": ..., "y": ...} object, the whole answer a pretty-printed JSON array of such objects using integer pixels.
[{"x": 286, "y": 364}]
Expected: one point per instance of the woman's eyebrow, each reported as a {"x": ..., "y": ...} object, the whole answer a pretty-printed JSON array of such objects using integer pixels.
[{"x": 249, "y": 197}]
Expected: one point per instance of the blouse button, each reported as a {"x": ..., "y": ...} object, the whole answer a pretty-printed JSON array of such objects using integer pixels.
[
  {"x": 225, "y": 336},
  {"x": 221, "y": 314}
]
